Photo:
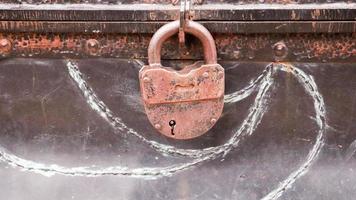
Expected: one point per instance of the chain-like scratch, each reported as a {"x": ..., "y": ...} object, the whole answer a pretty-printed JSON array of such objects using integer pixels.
[
  {"x": 247, "y": 127},
  {"x": 311, "y": 88}
]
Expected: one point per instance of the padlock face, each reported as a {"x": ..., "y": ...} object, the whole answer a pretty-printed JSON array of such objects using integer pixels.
[{"x": 183, "y": 104}]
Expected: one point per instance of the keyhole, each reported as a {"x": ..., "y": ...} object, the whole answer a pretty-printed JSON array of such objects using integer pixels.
[{"x": 172, "y": 123}]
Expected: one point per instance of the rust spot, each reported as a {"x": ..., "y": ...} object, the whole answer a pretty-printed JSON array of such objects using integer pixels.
[
  {"x": 280, "y": 51},
  {"x": 301, "y": 47},
  {"x": 5, "y": 47},
  {"x": 92, "y": 47}
]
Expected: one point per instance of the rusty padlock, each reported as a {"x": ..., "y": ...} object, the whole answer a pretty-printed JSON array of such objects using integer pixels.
[{"x": 187, "y": 103}]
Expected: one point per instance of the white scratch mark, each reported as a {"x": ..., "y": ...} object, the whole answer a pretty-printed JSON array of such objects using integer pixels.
[
  {"x": 247, "y": 127},
  {"x": 311, "y": 88},
  {"x": 99, "y": 106}
]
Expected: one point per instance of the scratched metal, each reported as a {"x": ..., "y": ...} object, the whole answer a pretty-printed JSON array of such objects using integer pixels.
[{"x": 44, "y": 117}]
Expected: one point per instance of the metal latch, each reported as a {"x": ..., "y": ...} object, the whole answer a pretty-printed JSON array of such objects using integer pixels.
[{"x": 187, "y": 103}]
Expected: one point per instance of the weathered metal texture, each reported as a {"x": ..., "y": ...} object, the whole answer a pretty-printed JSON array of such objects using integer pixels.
[
  {"x": 159, "y": 12},
  {"x": 182, "y": 104},
  {"x": 165, "y": 1},
  {"x": 85, "y": 27},
  {"x": 193, "y": 101},
  {"x": 45, "y": 118},
  {"x": 312, "y": 47},
  {"x": 243, "y": 47}
]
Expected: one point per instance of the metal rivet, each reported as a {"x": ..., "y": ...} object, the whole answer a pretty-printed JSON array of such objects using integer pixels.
[
  {"x": 158, "y": 126},
  {"x": 4, "y": 42},
  {"x": 5, "y": 46},
  {"x": 146, "y": 79},
  {"x": 213, "y": 121},
  {"x": 237, "y": 54},
  {"x": 205, "y": 74},
  {"x": 280, "y": 50},
  {"x": 93, "y": 47}
]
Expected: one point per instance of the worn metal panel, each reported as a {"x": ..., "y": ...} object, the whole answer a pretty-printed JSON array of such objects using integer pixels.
[
  {"x": 46, "y": 118},
  {"x": 131, "y": 27},
  {"x": 149, "y": 12},
  {"x": 242, "y": 47}
]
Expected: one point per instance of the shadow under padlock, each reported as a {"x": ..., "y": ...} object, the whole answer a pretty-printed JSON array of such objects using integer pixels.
[{"x": 187, "y": 103}]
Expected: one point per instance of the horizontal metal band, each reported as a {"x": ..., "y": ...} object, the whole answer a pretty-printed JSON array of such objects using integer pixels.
[
  {"x": 151, "y": 27},
  {"x": 158, "y": 12},
  {"x": 314, "y": 47}
]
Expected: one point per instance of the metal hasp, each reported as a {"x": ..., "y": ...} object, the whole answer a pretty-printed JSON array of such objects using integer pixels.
[{"x": 187, "y": 103}]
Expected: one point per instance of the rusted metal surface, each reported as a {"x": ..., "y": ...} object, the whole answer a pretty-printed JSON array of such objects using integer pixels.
[
  {"x": 243, "y": 47},
  {"x": 182, "y": 104},
  {"x": 192, "y": 99},
  {"x": 84, "y": 27},
  {"x": 5, "y": 46},
  {"x": 280, "y": 51}
]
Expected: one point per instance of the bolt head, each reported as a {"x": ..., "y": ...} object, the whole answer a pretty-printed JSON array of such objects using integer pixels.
[
  {"x": 93, "y": 46},
  {"x": 158, "y": 126},
  {"x": 237, "y": 54},
  {"x": 5, "y": 47},
  {"x": 4, "y": 42},
  {"x": 93, "y": 43},
  {"x": 280, "y": 47},
  {"x": 280, "y": 51},
  {"x": 146, "y": 79},
  {"x": 205, "y": 74},
  {"x": 213, "y": 121}
]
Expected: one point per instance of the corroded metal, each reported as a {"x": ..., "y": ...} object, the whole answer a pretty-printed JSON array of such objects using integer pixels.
[
  {"x": 121, "y": 27},
  {"x": 187, "y": 103},
  {"x": 280, "y": 51},
  {"x": 243, "y": 47},
  {"x": 92, "y": 47},
  {"x": 5, "y": 47}
]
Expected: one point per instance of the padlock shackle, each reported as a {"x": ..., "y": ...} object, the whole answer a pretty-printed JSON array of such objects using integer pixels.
[{"x": 168, "y": 30}]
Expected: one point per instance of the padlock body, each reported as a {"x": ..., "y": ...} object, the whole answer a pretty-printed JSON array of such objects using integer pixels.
[{"x": 192, "y": 99}]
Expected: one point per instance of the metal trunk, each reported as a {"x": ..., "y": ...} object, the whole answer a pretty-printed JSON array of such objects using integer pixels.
[{"x": 73, "y": 124}]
